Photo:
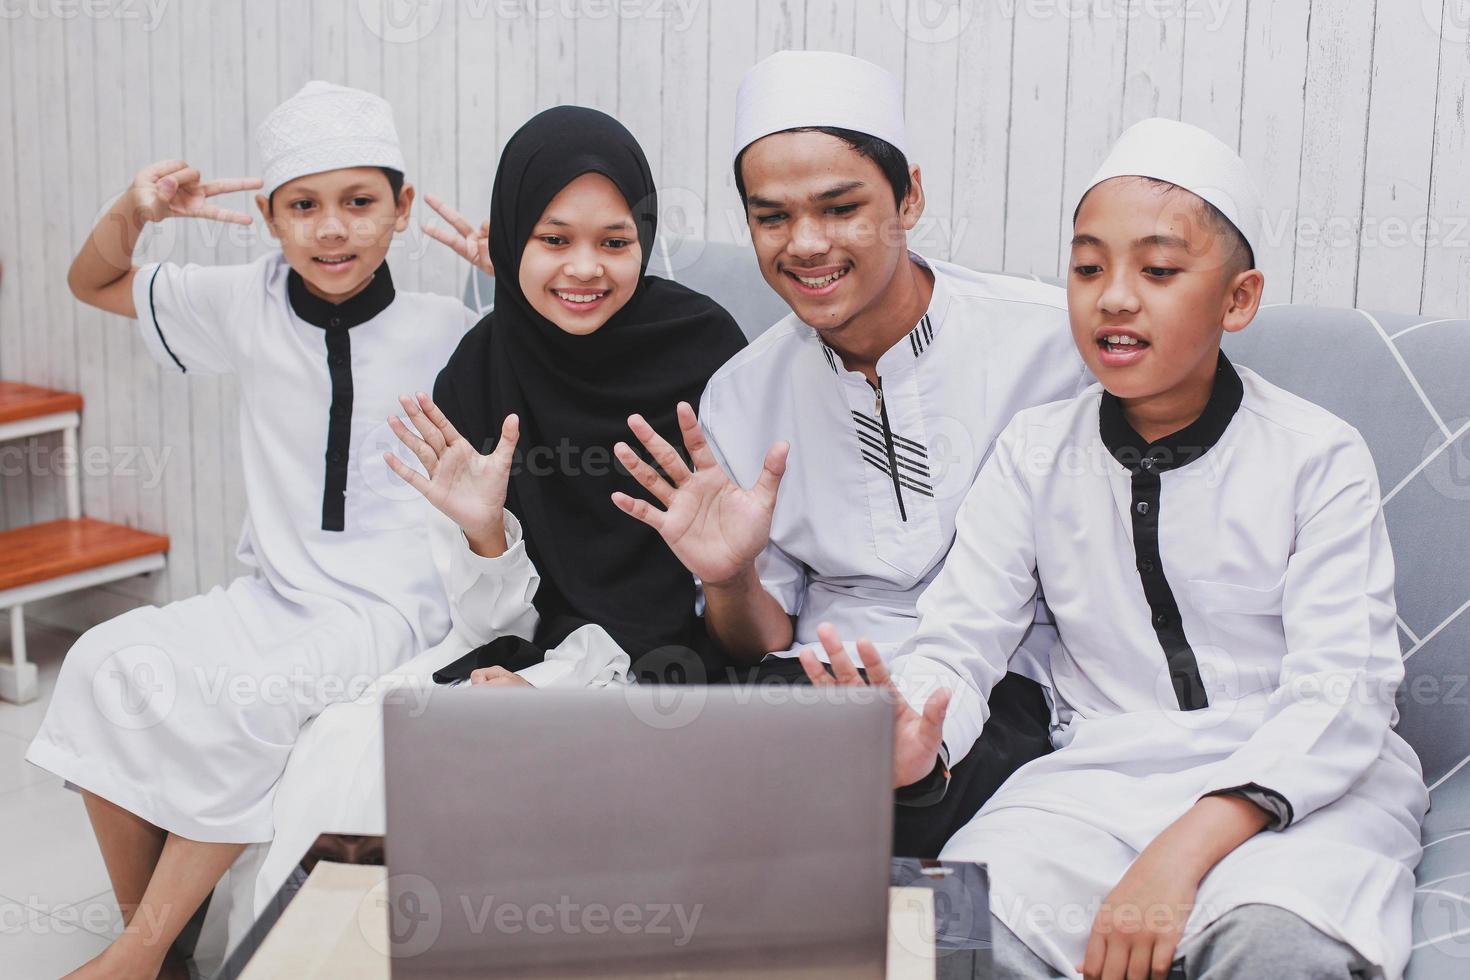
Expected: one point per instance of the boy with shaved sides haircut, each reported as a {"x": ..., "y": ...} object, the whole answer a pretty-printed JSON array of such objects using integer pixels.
[
  {"x": 867, "y": 410},
  {"x": 1228, "y": 797}
]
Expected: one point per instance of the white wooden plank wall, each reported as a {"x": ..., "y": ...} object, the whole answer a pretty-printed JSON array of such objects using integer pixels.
[{"x": 1351, "y": 114}]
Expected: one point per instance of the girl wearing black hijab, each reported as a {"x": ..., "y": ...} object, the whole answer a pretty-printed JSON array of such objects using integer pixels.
[{"x": 519, "y": 432}]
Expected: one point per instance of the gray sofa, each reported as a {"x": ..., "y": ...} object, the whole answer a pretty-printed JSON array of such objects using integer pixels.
[{"x": 1402, "y": 381}]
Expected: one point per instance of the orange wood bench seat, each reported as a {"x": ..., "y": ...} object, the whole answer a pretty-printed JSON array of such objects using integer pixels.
[
  {"x": 50, "y": 550},
  {"x": 20, "y": 401}
]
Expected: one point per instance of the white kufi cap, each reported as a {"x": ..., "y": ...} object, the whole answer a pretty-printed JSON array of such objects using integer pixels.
[
  {"x": 326, "y": 127},
  {"x": 800, "y": 89},
  {"x": 1191, "y": 158}
]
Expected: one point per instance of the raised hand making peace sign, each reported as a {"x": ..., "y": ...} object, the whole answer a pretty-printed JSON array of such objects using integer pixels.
[
  {"x": 471, "y": 244},
  {"x": 713, "y": 526},
  {"x": 465, "y": 485},
  {"x": 173, "y": 189}
]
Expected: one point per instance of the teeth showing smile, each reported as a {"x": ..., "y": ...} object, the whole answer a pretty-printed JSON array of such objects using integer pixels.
[
  {"x": 579, "y": 297},
  {"x": 333, "y": 260},
  {"x": 821, "y": 281},
  {"x": 1121, "y": 340}
]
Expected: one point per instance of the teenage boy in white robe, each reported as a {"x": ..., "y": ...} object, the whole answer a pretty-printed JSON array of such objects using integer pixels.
[
  {"x": 1228, "y": 797},
  {"x": 176, "y": 722},
  {"x": 881, "y": 392}
]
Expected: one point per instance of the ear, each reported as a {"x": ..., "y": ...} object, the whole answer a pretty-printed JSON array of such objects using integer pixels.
[
  {"x": 405, "y": 204},
  {"x": 263, "y": 203},
  {"x": 1244, "y": 299},
  {"x": 913, "y": 202}
]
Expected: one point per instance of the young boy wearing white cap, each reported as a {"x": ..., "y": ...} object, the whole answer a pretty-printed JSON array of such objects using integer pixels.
[
  {"x": 889, "y": 380},
  {"x": 176, "y": 722},
  {"x": 1214, "y": 552}
]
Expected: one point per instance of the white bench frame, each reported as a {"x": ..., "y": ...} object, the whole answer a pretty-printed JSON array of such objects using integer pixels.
[{"x": 19, "y": 679}]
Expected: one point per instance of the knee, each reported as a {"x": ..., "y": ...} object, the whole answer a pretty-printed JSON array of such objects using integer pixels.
[{"x": 1267, "y": 941}]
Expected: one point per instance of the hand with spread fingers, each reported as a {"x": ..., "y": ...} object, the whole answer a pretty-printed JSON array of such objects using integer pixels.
[
  {"x": 471, "y": 244},
  {"x": 465, "y": 485},
  {"x": 916, "y": 735},
  {"x": 712, "y": 525},
  {"x": 173, "y": 189}
]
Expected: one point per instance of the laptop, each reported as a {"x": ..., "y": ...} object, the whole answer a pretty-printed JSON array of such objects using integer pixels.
[{"x": 639, "y": 832}]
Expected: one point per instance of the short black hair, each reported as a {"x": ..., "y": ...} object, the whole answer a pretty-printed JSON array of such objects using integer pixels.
[
  {"x": 889, "y": 158},
  {"x": 395, "y": 185}
]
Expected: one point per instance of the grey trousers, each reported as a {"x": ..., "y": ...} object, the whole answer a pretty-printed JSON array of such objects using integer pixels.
[{"x": 1250, "y": 941}]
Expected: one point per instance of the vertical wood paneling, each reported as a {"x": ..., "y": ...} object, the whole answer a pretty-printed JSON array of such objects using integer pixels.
[
  {"x": 682, "y": 175},
  {"x": 1334, "y": 133},
  {"x": 1400, "y": 145},
  {"x": 1034, "y": 182},
  {"x": 731, "y": 53},
  {"x": 1097, "y": 55},
  {"x": 1352, "y": 116},
  {"x": 86, "y": 202},
  {"x": 1447, "y": 258},
  {"x": 1271, "y": 130},
  {"x": 982, "y": 138}
]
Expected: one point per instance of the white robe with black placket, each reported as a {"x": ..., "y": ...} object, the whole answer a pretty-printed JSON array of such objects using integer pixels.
[
  {"x": 1224, "y": 598},
  {"x": 185, "y": 714}
]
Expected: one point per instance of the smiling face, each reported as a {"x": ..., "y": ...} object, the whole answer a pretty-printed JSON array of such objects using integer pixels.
[
  {"x": 1155, "y": 278},
  {"x": 582, "y": 262},
  {"x": 335, "y": 227},
  {"x": 827, "y": 232}
]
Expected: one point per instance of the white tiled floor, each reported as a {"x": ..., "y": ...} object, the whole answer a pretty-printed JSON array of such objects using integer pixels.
[{"x": 56, "y": 908}]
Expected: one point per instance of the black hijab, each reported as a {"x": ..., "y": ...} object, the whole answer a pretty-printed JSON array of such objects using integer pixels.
[{"x": 597, "y": 564}]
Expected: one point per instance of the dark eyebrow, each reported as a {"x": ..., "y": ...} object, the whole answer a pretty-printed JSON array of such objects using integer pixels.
[
  {"x": 1161, "y": 241},
  {"x": 1148, "y": 241},
  {"x": 622, "y": 224},
  {"x": 846, "y": 187}
]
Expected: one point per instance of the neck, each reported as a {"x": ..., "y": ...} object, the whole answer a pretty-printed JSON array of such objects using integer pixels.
[
  {"x": 862, "y": 340},
  {"x": 335, "y": 298},
  {"x": 1162, "y": 414}
]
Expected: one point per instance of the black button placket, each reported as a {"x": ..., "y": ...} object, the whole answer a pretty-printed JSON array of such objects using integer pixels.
[
  {"x": 1184, "y": 674},
  {"x": 1146, "y": 464},
  {"x": 336, "y": 320},
  {"x": 339, "y": 426}
]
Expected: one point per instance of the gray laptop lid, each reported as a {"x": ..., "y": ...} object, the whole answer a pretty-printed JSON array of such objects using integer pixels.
[{"x": 639, "y": 832}]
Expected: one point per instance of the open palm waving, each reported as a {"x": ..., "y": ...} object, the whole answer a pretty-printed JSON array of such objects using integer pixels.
[{"x": 712, "y": 525}]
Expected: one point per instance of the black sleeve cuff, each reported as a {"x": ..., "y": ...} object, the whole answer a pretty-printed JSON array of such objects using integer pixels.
[
  {"x": 929, "y": 790},
  {"x": 1277, "y": 807}
]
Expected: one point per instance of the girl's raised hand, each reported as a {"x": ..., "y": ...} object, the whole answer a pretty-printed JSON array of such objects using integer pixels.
[{"x": 464, "y": 484}]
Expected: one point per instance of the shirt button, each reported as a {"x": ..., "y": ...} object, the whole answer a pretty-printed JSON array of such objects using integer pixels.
[
  {"x": 1142, "y": 507},
  {"x": 1145, "y": 565},
  {"x": 335, "y": 322},
  {"x": 1147, "y": 463},
  {"x": 334, "y": 457},
  {"x": 1162, "y": 619}
]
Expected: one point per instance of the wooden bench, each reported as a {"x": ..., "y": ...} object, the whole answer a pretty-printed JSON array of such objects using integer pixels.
[{"x": 38, "y": 561}]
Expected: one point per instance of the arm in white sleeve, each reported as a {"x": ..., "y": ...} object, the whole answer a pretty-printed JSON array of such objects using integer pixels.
[
  {"x": 1331, "y": 711},
  {"x": 488, "y": 597},
  {"x": 588, "y": 657},
  {"x": 981, "y": 604}
]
